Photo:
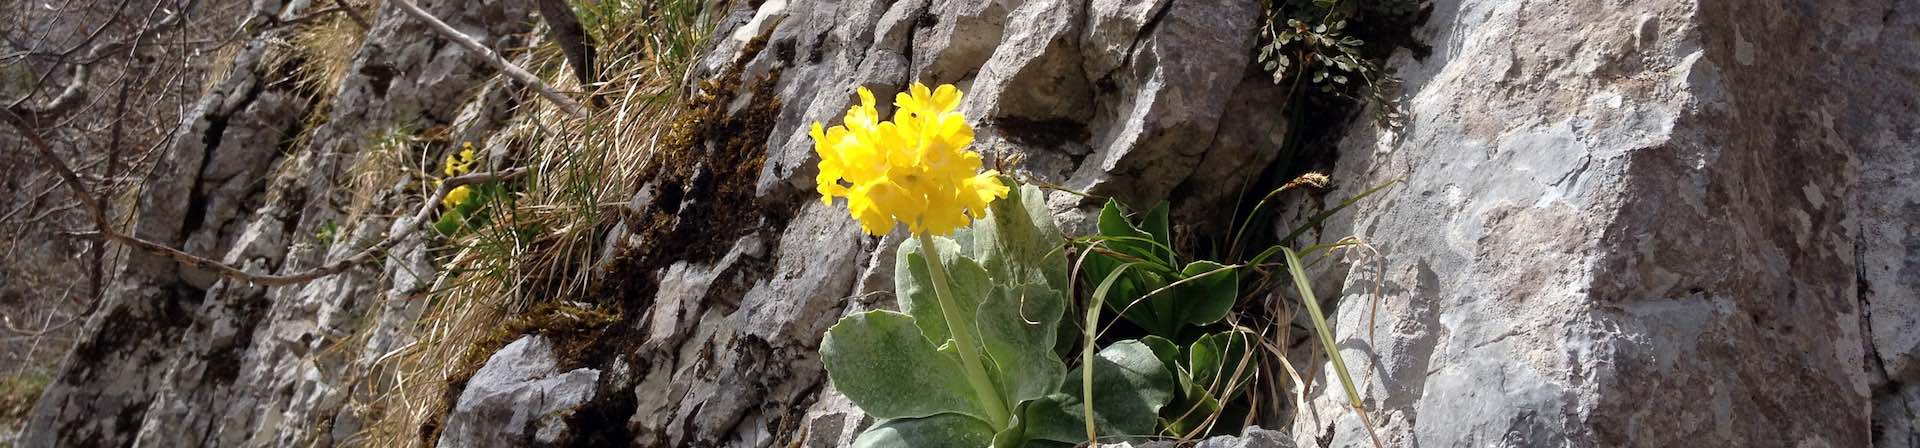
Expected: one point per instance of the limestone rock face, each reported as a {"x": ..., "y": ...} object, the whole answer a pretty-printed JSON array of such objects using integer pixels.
[
  {"x": 1629, "y": 225},
  {"x": 518, "y": 393},
  {"x": 1645, "y": 223},
  {"x": 1255, "y": 437},
  {"x": 178, "y": 357},
  {"x": 736, "y": 364}
]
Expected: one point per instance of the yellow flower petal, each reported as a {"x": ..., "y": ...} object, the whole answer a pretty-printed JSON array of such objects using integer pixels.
[
  {"x": 915, "y": 169},
  {"x": 456, "y": 196}
]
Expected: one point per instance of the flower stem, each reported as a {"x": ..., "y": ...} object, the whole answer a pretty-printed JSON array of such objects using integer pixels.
[{"x": 962, "y": 332}]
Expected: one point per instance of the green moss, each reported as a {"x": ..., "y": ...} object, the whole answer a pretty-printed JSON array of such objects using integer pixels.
[{"x": 705, "y": 173}]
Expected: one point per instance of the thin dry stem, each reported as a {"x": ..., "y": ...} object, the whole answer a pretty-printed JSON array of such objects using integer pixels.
[
  {"x": 107, "y": 232},
  {"x": 512, "y": 71}
]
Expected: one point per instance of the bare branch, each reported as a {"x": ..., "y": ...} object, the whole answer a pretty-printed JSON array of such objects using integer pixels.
[
  {"x": 75, "y": 92},
  {"x": 105, "y": 231},
  {"x": 512, "y": 71},
  {"x": 564, "y": 26},
  {"x": 354, "y": 14}
]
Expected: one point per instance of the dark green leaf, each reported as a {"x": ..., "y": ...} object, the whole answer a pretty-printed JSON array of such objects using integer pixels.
[
  {"x": 1209, "y": 293},
  {"x": 1216, "y": 357},
  {"x": 1155, "y": 224},
  {"x": 1122, "y": 235},
  {"x": 1129, "y": 387},
  {"x": 449, "y": 222}
]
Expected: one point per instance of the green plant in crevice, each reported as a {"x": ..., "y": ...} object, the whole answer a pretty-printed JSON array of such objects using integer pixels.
[
  {"x": 1160, "y": 294},
  {"x": 1146, "y": 284},
  {"x": 1182, "y": 304},
  {"x": 463, "y": 204},
  {"x": 969, "y": 360},
  {"x": 1290, "y": 261},
  {"x": 1210, "y": 375},
  {"x": 326, "y": 233},
  {"x": 1313, "y": 43}
]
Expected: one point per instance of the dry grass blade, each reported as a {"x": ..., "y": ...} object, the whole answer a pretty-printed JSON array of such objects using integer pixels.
[
  {"x": 225, "y": 270},
  {"x": 537, "y": 252}
]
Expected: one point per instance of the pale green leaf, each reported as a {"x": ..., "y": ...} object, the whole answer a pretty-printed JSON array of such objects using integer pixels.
[
  {"x": 883, "y": 363},
  {"x": 1018, "y": 327},
  {"x": 913, "y": 286},
  {"x": 1170, "y": 356},
  {"x": 1018, "y": 243},
  {"x": 938, "y": 431}
]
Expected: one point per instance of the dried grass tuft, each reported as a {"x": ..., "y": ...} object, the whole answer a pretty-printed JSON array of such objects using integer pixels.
[
  {"x": 524, "y": 271},
  {"x": 326, "y": 48}
]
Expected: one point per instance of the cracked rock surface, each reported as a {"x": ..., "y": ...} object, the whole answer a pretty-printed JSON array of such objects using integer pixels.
[
  {"x": 518, "y": 393},
  {"x": 1620, "y": 224},
  {"x": 178, "y": 357}
]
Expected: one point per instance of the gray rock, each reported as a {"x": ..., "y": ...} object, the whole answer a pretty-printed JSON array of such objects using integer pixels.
[
  {"x": 1602, "y": 203},
  {"x": 962, "y": 35},
  {"x": 1253, "y": 437},
  {"x": 1627, "y": 232},
  {"x": 517, "y": 398},
  {"x": 1032, "y": 76},
  {"x": 833, "y": 421},
  {"x": 1113, "y": 29},
  {"x": 1174, "y": 87},
  {"x": 1896, "y": 418},
  {"x": 183, "y": 358}
]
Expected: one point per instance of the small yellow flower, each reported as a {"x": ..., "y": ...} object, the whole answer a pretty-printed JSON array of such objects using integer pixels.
[
  {"x": 456, "y": 196},
  {"x": 461, "y": 163},
  {"x": 914, "y": 169}
]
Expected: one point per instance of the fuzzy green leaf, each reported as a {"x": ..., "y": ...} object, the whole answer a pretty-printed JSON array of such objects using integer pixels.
[
  {"x": 1019, "y": 243},
  {"x": 1018, "y": 327},
  {"x": 938, "y": 431},
  {"x": 883, "y": 363},
  {"x": 913, "y": 286}
]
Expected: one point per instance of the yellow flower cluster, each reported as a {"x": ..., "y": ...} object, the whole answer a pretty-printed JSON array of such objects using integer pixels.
[
  {"x": 915, "y": 169},
  {"x": 457, "y": 165}
]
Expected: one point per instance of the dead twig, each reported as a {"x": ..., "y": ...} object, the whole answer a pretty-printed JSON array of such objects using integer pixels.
[
  {"x": 93, "y": 206},
  {"x": 354, "y": 14},
  {"x": 512, "y": 71},
  {"x": 75, "y": 92}
]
